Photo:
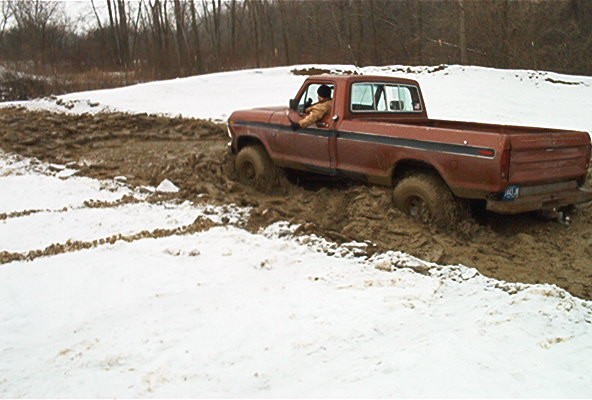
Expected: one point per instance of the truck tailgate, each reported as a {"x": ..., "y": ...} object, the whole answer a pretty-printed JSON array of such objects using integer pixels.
[{"x": 548, "y": 156}]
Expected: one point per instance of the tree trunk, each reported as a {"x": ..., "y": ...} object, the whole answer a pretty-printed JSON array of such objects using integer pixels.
[
  {"x": 196, "y": 42},
  {"x": 182, "y": 51},
  {"x": 123, "y": 34},
  {"x": 285, "y": 29},
  {"x": 462, "y": 33},
  {"x": 114, "y": 36},
  {"x": 505, "y": 27},
  {"x": 255, "y": 29},
  {"x": 266, "y": 10}
]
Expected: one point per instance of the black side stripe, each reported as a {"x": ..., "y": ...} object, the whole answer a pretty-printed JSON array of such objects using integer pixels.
[
  {"x": 386, "y": 140},
  {"x": 305, "y": 131},
  {"x": 419, "y": 144}
]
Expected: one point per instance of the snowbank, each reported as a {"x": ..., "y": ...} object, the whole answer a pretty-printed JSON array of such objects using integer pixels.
[{"x": 520, "y": 97}]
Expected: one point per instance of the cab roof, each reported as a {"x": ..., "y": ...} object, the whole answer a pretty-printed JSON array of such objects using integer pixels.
[{"x": 362, "y": 78}]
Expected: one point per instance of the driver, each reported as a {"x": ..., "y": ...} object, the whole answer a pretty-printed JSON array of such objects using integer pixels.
[{"x": 317, "y": 111}]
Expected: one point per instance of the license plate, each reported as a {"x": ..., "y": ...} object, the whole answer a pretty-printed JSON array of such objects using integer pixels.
[{"x": 512, "y": 192}]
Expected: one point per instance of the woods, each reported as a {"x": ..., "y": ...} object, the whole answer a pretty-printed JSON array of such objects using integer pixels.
[{"x": 168, "y": 38}]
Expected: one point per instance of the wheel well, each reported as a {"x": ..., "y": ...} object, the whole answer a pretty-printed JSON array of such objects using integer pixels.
[
  {"x": 245, "y": 141},
  {"x": 406, "y": 167}
]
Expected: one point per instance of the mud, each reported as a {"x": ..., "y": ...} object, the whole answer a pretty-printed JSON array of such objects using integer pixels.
[{"x": 193, "y": 154}]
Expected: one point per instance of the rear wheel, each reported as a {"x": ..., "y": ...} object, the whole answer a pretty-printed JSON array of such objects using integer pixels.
[
  {"x": 426, "y": 198},
  {"x": 255, "y": 168}
]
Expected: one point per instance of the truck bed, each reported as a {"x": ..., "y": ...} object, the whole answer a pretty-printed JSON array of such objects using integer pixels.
[
  {"x": 469, "y": 126},
  {"x": 537, "y": 155}
]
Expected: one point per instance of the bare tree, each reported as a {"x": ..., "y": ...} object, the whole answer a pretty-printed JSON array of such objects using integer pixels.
[
  {"x": 123, "y": 32},
  {"x": 98, "y": 19},
  {"x": 341, "y": 19},
  {"x": 266, "y": 12},
  {"x": 136, "y": 30},
  {"x": 462, "y": 31},
  {"x": 159, "y": 49},
  {"x": 505, "y": 34},
  {"x": 285, "y": 26},
  {"x": 253, "y": 7},
  {"x": 232, "y": 9},
  {"x": 212, "y": 17},
  {"x": 113, "y": 29},
  {"x": 175, "y": 37},
  {"x": 197, "y": 56},
  {"x": 35, "y": 20},
  {"x": 5, "y": 15},
  {"x": 181, "y": 36}
]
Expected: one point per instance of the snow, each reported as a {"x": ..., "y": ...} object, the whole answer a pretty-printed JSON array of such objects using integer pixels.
[
  {"x": 227, "y": 313},
  {"x": 25, "y": 193},
  {"x": 167, "y": 186},
  {"x": 39, "y": 230},
  {"x": 514, "y": 97}
]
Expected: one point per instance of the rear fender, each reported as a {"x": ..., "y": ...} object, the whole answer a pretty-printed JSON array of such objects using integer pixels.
[{"x": 406, "y": 167}]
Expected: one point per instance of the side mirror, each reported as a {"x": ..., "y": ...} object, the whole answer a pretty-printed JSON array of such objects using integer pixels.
[{"x": 293, "y": 104}]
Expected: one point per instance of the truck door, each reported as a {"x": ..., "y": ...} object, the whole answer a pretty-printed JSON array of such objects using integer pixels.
[
  {"x": 359, "y": 151},
  {"x": 367, "y": 144},
  {"x": 306, "y": 148}
]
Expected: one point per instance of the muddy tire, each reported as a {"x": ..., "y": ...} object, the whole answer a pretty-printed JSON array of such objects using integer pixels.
[
  {"x": 254, "y": 167},
  {"x": 427, "y": 199}
]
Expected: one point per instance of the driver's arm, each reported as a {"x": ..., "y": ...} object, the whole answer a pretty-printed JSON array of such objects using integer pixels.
[{"x": 315, "y": 114}]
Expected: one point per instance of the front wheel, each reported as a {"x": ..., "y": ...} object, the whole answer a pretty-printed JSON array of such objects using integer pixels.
[
  {"x": 255, "y": 168},
  {"x": 427, "y": 199}
]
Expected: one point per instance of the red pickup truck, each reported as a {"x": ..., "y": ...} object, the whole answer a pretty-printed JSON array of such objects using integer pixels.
[{"x": 378, "y": 131}]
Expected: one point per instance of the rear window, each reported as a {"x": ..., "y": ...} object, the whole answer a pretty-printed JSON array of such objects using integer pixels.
[{"x": 384, "y": 97}]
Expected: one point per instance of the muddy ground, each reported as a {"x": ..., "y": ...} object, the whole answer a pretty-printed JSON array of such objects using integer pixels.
[{"x": 194, "y": 155}]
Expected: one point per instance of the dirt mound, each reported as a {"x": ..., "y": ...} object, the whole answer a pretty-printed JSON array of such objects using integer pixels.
[{"x": 193, "y": 154}]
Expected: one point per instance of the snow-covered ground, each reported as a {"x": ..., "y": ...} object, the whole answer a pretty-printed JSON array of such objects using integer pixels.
[
  {"x": 228, "y": 313},
  {"x": 519, "y": 97}
]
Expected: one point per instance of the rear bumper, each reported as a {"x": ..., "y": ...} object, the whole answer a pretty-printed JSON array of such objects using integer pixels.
[{"x": 544, "y": 201}]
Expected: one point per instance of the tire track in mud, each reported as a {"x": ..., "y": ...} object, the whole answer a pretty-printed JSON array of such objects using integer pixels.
[
  {"x": 126, "y": 199},
  {"x": 193, "y": 154},
  {"x": 17, "y": 214},
  {"x": 199, "y": 225}
]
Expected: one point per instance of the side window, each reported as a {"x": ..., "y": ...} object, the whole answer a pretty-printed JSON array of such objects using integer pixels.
[
  {"x": 310, "y": 97},
  {"x": 378, "y": 97},
  {"x": 409, "y": 97},
  {"x": 361, "y": 97},
  {"x": 368, "y": 97}
]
